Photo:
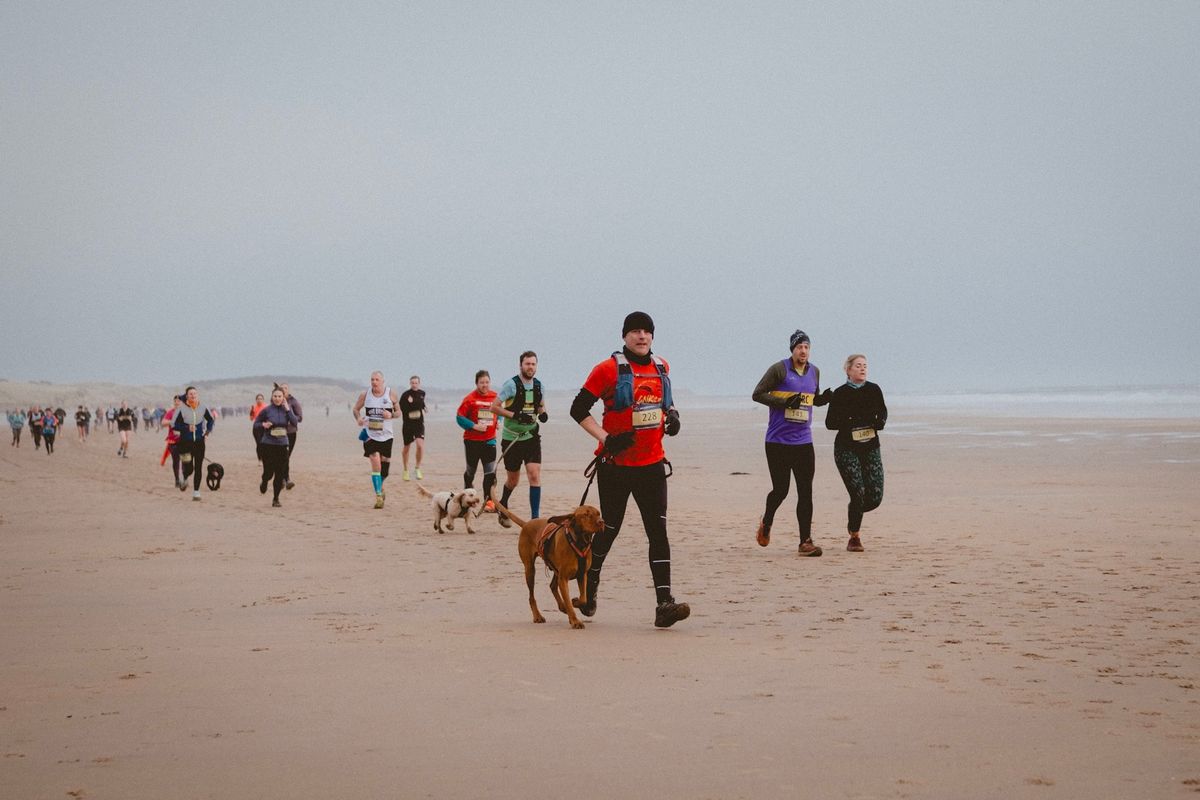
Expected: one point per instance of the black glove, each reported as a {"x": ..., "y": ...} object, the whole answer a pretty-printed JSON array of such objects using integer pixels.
[
  {"x": 543, "y": 417},
  {"x": 616, "y": 442},
  {"x": 796, "y": 401},
  {"x": 523, "y": 418},
  {"x": 672, "y": 424}
]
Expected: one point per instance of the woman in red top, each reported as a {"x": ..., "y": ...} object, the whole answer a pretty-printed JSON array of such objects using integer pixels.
[
  {"x": 636, "y": 389},
  {"x": 172, "y": 438},
  {"x": 478, "y": 422},
  {"x": 260, "y": 403}
]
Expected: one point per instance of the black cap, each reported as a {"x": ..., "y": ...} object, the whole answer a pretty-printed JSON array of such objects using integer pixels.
[{"x": 638, "y": 320}]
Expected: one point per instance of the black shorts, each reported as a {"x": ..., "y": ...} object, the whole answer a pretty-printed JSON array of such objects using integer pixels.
[
  {"x": 383, "y": 448},
  {"x": 412, "y": 431},
  {"x": 528, "y": 451}
]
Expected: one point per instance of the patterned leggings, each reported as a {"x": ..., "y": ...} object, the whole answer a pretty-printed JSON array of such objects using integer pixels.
[{"x": 863, "y": 475}]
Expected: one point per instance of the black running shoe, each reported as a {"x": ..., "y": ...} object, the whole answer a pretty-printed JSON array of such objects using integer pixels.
[
  {"x": 262, "y": 488},
  {"x": 669, "y": 612},
  {"x": 587, "y": 609}
]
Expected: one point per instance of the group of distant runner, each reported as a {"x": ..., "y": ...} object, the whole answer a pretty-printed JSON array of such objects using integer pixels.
[
  {"x": 121, "y": 419},
  {"x": 44, "y": 425},
  {"x": 634, "y": 386}
]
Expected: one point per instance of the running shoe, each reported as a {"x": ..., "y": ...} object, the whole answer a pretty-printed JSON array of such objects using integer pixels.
[
  {"x": 809, "y": 549},
  {"x": 196, "y": 495},
  {"x": 854, "y": 545},
  {"x": 289, "y": 486},
  {"x": 490, "y": 507},
  {"x": 405, "y": 474},
  {"x": 588, "y": 609},
  {"x": 669, "y": 612},
  {"x": 262, "y": 488},
  {"x": 276, "y": 504},
  {"x": 379, "y": 501},
  {"x": 505, "y": 522},
  {"x": 420, "y": 475},
  {"x": 763, "y": 534}
]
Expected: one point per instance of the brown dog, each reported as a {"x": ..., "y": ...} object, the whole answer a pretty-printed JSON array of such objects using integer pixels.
[{"x": 565, "y": 544}]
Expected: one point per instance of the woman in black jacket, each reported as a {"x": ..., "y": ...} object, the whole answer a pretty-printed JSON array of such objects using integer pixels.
[
  {"x": 270, "y": 426},
  {"x": 857, "y": 412}
]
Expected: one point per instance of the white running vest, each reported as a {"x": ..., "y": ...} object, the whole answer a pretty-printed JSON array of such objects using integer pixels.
[{"x": 378, "y": 428}]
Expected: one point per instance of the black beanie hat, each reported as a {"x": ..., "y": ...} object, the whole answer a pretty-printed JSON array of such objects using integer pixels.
[
  {"x": 796, "y": 338},
  {"x": 638, "y": 320}
]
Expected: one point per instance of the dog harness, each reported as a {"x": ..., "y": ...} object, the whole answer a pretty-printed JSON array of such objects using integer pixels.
[
  {"x": 462, "y": 509},
  {"x": 574, "y": 539}
]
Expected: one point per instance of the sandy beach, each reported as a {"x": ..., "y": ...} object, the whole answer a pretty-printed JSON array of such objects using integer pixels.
[{"x": 1024, "y": 623}]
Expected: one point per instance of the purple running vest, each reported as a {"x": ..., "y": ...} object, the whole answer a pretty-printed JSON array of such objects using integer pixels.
[{"x": 785, "y": 426}]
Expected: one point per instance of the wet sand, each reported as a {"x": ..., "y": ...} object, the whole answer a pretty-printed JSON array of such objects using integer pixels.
[{"x": 1024, "y": 623}]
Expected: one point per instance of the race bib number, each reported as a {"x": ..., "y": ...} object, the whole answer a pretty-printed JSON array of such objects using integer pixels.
[
  {"x": 414, "y": 415},
  {"x": 647, "y": 417},
  {"x": 279, "y": 431},
  {"x": 862, "y": 434},
  {"x": 186, "y": 458},
  {"x": 486, "y": 416},
  {"x": 374, "y": 424},
  {"x": 795, "y": 414}
]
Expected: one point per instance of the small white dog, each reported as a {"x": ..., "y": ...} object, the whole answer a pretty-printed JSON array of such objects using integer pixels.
[{"x": 449, "y": 506}]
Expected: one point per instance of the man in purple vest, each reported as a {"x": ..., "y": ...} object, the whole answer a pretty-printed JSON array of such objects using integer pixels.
[{"x": 790, "y": 388}]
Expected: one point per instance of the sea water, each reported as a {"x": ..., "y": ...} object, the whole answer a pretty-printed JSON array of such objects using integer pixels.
[{"x": 1143, "y": 402}]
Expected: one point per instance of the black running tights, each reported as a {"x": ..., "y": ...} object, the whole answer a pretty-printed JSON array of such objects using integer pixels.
[
  {"x": 275, "y": 464},
  {"x": 648, "y": 486},
  {"x": 196, "y": 449},
  {"x": 784, "y": 461}
]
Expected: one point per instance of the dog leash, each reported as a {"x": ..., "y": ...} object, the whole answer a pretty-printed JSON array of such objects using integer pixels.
[{"x": 589, "y": 472}]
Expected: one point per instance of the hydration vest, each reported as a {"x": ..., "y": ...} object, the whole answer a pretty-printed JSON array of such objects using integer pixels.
[
  {"x": 623, "y": 394},
  {"x": 517, "y": 403}
]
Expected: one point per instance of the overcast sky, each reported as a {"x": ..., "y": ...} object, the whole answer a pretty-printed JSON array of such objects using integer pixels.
[{"x": 975, "y": 195}]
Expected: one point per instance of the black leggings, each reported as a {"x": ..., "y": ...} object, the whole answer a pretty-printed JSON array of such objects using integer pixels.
[
  {"x": 49, "y": 437},
  {"x": 197, "y": 451},
  {"x": 36, "y": 432},
  {"x": 648, "y": 485},
  {"x": 480, "y": 453},
  {"x": 275, "y": 463},
  {"x": 783, "y": 461}
]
